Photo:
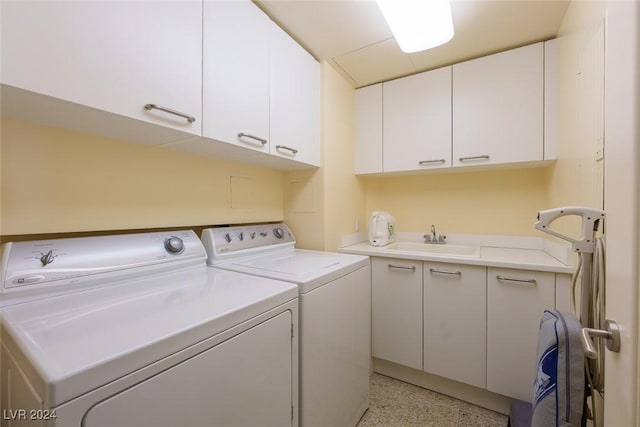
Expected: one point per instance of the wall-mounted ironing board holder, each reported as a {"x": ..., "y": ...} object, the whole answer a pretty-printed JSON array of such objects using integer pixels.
[{"x": 584, "y": 246}]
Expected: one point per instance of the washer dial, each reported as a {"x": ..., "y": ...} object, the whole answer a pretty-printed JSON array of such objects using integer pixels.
[
  {"x": 174, "y": 245},
  {"x": 278, "y": 232},
  {"x": 47, "y": 258}
]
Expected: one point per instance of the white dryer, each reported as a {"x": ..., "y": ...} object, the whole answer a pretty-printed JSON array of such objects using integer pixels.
[
  {"x": 335, "y": 314},
  {"x": 135, "y": 330}
]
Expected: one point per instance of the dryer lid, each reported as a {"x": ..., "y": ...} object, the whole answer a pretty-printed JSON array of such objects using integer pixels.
[
  {"x": 308, "y": 269},
  {"x": 297, "y": 264}
]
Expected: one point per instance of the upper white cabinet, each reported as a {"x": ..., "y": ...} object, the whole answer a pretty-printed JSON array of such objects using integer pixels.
[
  {"x": 261, "y": 90},
  {"x": 498, "y": 108},
  {"x": 294, "y": 100},
  {"x": 112, "y": 56},
  {"x": 551, "y": 99},
  {"x": 368, "y": 152},
  {"x": 235, "y": 106},
  {"x": 417, "y": 121},
  {"x": 160, "y": 72}
]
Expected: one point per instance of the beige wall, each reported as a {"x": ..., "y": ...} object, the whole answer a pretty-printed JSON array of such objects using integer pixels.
[
  {"x": 577, "y": 177},
  {"x": 323, "y": 205},
  {"x": 506, "y": 201},
  {"x": 345, "y": 199},
  {"x": 303, "y": 212},
  {"x": 57, "y": 180},
  {"x": 502, "y": 202}
]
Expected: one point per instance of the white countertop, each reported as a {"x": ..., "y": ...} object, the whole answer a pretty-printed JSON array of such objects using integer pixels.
[{"x": 530, "y": 256}]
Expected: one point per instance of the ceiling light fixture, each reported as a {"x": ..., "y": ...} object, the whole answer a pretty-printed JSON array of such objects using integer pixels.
[{"x": 418, "y": 24}]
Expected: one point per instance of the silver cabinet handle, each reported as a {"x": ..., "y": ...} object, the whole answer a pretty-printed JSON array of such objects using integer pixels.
[
  {"x": 482, "y": 157},
  {"x": 429, "y": 162},
  {"x": 189, "y": 118},
  {"x": 515, "y": 280},
  {"x": 284, "y": 147},
  {"x": 450, "y": 273},
  {"x": 247, "y": 135},
  {"x": 403, "y": 267}
]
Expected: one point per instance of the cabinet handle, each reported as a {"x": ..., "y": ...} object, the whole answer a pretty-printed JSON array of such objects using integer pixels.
[
  {"x": 483, "y": 157},
  {"x": 514, "y": 280},
  {"x": 403, "y": 267},
  {"x": 429, "y": 162},
  {"x": 450, "y": 273},
  {"x": 284, "y": 147},
  {"x": 247, "y": 135},
  {"x": 189, "y": 118}
]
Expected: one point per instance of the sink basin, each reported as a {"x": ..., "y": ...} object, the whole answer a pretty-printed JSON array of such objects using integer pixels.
[{"x": 446, "y": 249}]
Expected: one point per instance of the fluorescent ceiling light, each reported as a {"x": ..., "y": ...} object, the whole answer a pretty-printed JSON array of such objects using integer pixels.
[{"x": 418, "y": 24}]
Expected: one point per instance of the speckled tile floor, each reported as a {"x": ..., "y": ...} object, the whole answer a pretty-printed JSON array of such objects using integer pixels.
[{"x": 394, "y": 403}]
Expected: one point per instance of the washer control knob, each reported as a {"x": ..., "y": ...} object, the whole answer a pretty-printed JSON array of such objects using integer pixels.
[
  {"x": 174, "y": 245},
  {"x": 47, "y": 258},
  {"x": 278, "y": 232}
]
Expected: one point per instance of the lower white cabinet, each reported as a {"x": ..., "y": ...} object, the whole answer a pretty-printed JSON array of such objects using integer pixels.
[
  {"x": 473, "y": 324},
  {"x": 396, "y": 304},
  {"x": 516, "y": 300},
  {"x": 455, "y": 314}
]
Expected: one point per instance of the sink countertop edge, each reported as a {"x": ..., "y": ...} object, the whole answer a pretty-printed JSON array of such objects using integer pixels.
[{"x": 503, "y": 257}]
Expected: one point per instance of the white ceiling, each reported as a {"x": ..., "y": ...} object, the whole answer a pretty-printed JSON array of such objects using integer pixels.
[{"x": 353, "y": 36}]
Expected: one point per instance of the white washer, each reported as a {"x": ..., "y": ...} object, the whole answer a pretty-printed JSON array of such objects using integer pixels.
[
  {"x": 135, "y": 330},
  {"x": 335, "y": 314}
]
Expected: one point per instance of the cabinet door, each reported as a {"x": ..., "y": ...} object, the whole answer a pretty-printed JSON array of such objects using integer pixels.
[
  {"x": 396, "y": 304},
  {"x": 498, "y": 108},
  {"x": 113, "y": 56},
  {"x": 455, "y": 315},
  {"x": 294, "y": 100},
  {"x": 235, "y": 105},
  {"x": 368, "y": 104},
  {"x": 417, "y": 121},
  {"x": 516, "y": 300},
  {"x": 551, "y": 98}
]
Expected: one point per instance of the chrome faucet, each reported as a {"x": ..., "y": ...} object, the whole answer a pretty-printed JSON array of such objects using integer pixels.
[{"x": 433, "y": 237}]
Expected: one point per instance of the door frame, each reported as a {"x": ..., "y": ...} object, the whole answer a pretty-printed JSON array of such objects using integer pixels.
[{"x": 622, "y": 205}]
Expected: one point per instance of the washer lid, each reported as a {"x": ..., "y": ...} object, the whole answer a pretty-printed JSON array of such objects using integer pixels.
[
  {"x": 308, "y": 269},
  {"x": 71, "y": 344}
]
